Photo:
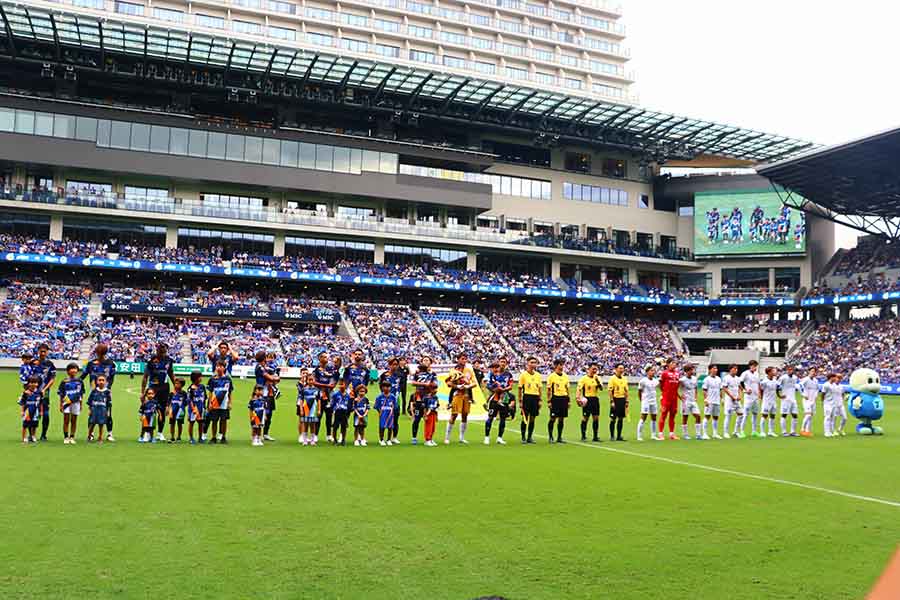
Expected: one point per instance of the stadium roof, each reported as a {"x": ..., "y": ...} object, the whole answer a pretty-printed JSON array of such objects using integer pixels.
[
  {"x": 661, "y": 133},
  {"x": 856, "y": 183}
]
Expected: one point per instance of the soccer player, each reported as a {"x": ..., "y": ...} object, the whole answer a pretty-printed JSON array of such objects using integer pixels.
[
  {"x": 323, "y": 380},
  {"x": 787, "y": 391},
  {"x": 499, "y": 386},
  {"x": 530, "y": 383},
  {"x": 340, "y": 408},
  {"x": 840, "y": 410},
  {"x": 392, "y": 378},
  {"x": 177, "y": 409},
  {"x": 423, "y": 379},
  {"x": 148, "y": 413},
  {"x": 769, "y": 388},
  {"x": 268, "y": 375},
  {"x": 588, "y": 389},
  {"x": 71, "y": 393},
  {"x": 157, "y": 374},
  {"x": 197, "y": 396},
  {"x": 357, "y": 374},
  {"x": 257, "y": 408},
  {"x": 99, "y": 402},
  {"x": 32, "y": 402},
  {"x": 45, "y": 370},
  {"x": 809, "y": 389},
  {"x": 750, "y": 391},
  {"x": 618, "y": 402},
  {"x": 220, "y": 389},
  {"x": 558, "y": 400},
  {"x": 26, "y": 369},
  {"x": 687, "y": 394},
  {"x": 101, "y": 364},
  {"x": 360, "y": 415},
  {"x": 223, "y": 353},
  {"x": 731, "y": 387},
  {"x": 403, "y": 377},
  {"x": 712, "y": 402},
  {"x": 832, "y": 397},
  {"x": 647, "y": 387},
  {"x": 461, "y": 380},
  {"x": 385, "y": 404},
  {"x": 308, "y": 396},
  {"x": 668, "y": 383},
  {"x": 431, "y": 410}
]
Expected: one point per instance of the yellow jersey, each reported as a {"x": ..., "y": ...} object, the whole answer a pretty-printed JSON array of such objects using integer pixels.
[
  {"x": 618, "y": 386},
  {"x": 465, "y": 376},
  {"x": 530, "y": 383},
  {"x": 589, "y": 387},
  {"x": 558, "y": 385}
]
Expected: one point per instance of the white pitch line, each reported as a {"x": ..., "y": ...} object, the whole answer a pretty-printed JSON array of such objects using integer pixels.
[{"x": 797, "y": 484}]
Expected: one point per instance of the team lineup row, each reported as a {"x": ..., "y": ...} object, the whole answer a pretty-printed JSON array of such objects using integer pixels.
[{"x": 339, "y": 397}]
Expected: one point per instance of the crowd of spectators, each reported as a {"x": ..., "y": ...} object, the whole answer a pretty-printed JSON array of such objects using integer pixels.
[
  {"x": 56, "y": 315},
  {"x": 30, "y": 245},
  {"x": 843, "y": 346},
  {"x": 856, "y": 260},
  {"x": 467, "y": 332},
  {"x": 601, "y": 342},
  {"x": 392, "y": 330},
  {"x": 214, "y": 298},
  {"x": 549, "y": 240},
  {"x": 301, "y": 348},
  {"x": 532, "y": 333},
  {"x": 873, "y": 285},
  {"x": 135, "y": 339},
  {"x": 244, "y": 338},
  {"x": 652, "y": 336}
]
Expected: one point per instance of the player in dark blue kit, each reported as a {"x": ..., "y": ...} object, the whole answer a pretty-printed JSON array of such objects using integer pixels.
[
  {"x": 101, "y": 364},
  {"x": 26, "y": 369},
  {"x": 44, "y": 369},
  {"x": 99, "y": 403},
  {"x": 197, "y": 396},
  {"x": 423, "y": 379},
  {"x": 357, "y": 374},
  {"x": 257, "y": 408},
  {"x": 386, "y": 405},
  {"x": 223, "y": 353},
  {"x": 340, "y": 408},
  {"x": 157, "y": 374},
  {"x": 360, "y": 415},
  {"x": 392, "y": 378},
  {"x": 499, "y": 385},
  {"x": 149, "y": 413},
  {"x": 71, "y": 394},
  {"x": 32, "y": 402},
  {"x": 220, "y": 389},
  {"x": 268, "y": 375},
  {"x": 323, "y": 380},
  {"x": 178, "y": 404}
]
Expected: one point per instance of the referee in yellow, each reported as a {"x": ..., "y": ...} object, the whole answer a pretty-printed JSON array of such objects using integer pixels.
[
  {"x": 618, "y": 402},
  {"x": 530, "y": 384},
  {"x": 589, "y": 387},
  {"x": 558, "y": 399}
]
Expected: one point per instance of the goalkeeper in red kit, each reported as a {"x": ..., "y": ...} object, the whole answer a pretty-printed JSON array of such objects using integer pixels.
[{"x": 668, "y": 382}]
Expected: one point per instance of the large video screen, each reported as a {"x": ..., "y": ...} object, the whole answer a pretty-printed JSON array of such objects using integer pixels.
[{"x": 742, "y": 222}]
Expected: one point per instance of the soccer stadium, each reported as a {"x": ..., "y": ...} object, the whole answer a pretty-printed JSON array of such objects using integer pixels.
[{"x": 592, "y": 334}]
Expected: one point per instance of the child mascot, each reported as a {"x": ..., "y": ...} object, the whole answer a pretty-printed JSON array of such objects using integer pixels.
[{"x": 865, "y": 403}]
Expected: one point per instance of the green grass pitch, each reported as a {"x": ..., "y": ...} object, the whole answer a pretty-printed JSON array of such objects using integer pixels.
[{"x": 127, "y": 520}]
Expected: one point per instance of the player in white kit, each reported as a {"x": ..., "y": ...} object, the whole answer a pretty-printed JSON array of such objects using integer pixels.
[
  {"x": 712, "y": 402},
  {"x": 731, "y": 388},
  {"x": 647, "y": 387},
  {"x": 809, "y": 389},
  {"x": 687, "y": 394},
  {"x": 832, "y": 398},
  {"x": 769, "y": 388},
  {"x": 750, "y": 387},
  {"x": 787, "y": 391}
]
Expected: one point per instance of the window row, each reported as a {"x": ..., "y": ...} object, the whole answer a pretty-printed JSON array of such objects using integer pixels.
[
  {"x": 500, "y": 184},
  {"x": 198, "y": 143},
  {"x": 594, "y": 193}
]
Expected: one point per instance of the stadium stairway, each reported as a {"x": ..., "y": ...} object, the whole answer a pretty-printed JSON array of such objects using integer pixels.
[
  {"x": 678, "y": 340},
  {"x": 86, "y": 349},
  {"x": 350, "y": 329},
  {"x": 807, "y": 331},
  {"x": 829, "y": 267},
  {"x": 509, "y": 348},
  {"x": 95, "y": 308},
  {"x": 186, "y": 356},
  {"x": 424, "y": 324}
]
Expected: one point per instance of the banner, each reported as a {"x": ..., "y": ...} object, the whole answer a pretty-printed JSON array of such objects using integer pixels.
[
  {"x": 852, "y": 298},
  {"x": 314, "y": 315}
]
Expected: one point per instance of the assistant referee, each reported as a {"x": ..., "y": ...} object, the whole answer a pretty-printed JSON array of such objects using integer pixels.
[
  {"x": 530, "y": 383},
  {"x": 618, "y": 402}
]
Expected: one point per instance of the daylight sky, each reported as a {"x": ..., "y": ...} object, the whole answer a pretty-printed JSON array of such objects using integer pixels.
[{"x": 818, "y": 70}]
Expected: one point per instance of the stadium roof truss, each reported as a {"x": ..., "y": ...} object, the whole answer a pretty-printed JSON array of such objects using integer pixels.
[
  {"x": 856, "y": 184},
  {"x": 395, "y": 87}
]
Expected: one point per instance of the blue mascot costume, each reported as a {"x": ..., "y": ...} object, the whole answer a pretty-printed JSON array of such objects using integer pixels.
[{"x": 865, "y": 402}]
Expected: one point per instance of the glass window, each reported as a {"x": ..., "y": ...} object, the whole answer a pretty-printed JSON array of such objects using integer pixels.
[
  {"x": 355, "y": 161},
  {"x": 342, "y": 160},
  {"x": 387, "y": 51},
  {"x": 178, "y": 141},
  {"x": 64, "y": 127},
  {"x": 197, "y": 143},
  {"x": 25, "y": 122},
  {"x": 216, "y": 146},
  {"x": 159, "y": 139},
  {"x": 140, "y": 136},
  {"x": 307, "y": 156},
  {"x": 7, "y": 119},
  {"x": 324, "y": 157},
  {"x": 167, "y": 14},
  {"x": 389, "y": 162},
  {"x": 370, "y": 161},
  {"x": 290, "y": 154},
  {"x": 43, "y": 125},
  {"x": 644, "y": 201},
  {"x": 283, "y": 33},
  {"x": 129, "y": 8},
  {"x": 251, "y": 146},
  {"x": 210, "y": 21},
  {"x": 119, "y": 136},
  {"x": 271, "y": 151}
]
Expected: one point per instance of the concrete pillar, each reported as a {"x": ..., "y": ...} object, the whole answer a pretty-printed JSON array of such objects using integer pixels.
[
  {"x": 554, "y": 268},
  {"x": 278, "y": 244},
  {"x": 442, "y": 216},
  {"x": 413, "y": 214},
  {"x": 583, "y": 231},
  {"x": 843, "y": 313},
  {"x": 171, "y": 235},
  {"x": 771, "y": 278},
  {"x": 471, "y": 260},
  {"x": 557, "y": 229},
  {"x": 632, "y": 275},
  {"x": 715, "y": 283},
  {"x": 379, "y": 252},
  {"x": 501, "y": 222},
  {"x": 529, "y": 226},
  {"x": 56, "y": 227}
]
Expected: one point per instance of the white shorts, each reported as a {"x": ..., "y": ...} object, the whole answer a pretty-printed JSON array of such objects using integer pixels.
[
  {"x": 689, "y": 407},
  {"x": 789, "y": 406},
  {"x": 712, "y": 410},
  {"x": 809, "y": 406},
  {"x": 768, "y": 407},
  {"x": 73, "y": 408},
  {"x": 733, "y": 407},
  {"x": 648, "y": 408},
  {"x": 841, "y": 409},
  {"x": 751, "y": 406},
  {"x": 830, "y": 410}
]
